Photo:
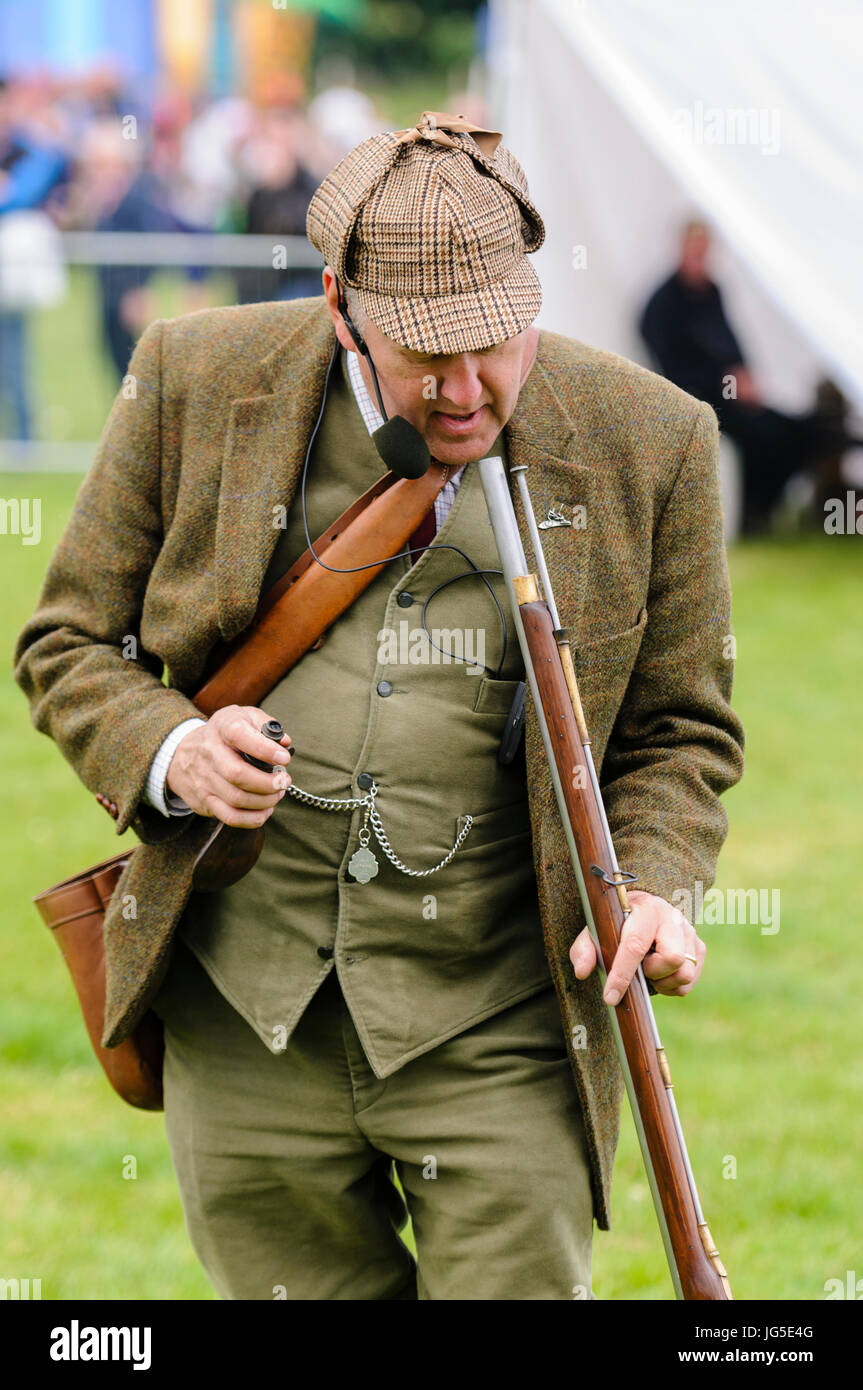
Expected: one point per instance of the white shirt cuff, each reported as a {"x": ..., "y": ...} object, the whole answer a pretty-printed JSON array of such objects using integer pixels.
[{"x": 156, "y": 792}]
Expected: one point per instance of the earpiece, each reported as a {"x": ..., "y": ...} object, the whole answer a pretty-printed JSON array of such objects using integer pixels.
[
  {"x": 399, "y": 443},
  {"x": 405, "y": 452},
  {"x": 349, "y": 323}
]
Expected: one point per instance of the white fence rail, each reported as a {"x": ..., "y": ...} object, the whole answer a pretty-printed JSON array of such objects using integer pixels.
[{"x": 159, "y": 250}]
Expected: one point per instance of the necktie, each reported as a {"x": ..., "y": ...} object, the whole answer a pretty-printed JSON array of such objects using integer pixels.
[{"x": 423, "y": 535}]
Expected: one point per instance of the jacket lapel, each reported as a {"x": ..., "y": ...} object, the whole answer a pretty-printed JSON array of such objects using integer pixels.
[
  {"x": 556, "y": 481},
  {"x": 262, "y": 463}
]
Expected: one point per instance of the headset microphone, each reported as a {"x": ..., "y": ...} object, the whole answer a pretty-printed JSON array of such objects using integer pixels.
[
  {"x": 405, "y": 453},
  {"x": 402, "y": 448},
  {"x": 399, "y": 443}
]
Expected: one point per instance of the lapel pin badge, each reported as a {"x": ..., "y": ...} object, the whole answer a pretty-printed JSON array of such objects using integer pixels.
[{"x": 554, "y": 518}]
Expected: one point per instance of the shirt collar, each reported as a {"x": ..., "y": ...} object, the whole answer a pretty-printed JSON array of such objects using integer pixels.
[{"x": 372, "y": 418}]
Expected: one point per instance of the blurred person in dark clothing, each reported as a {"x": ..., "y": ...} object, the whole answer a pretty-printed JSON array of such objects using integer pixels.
[
  {"x": 115, "y": 192},
  {"x": 282, "y": 188},
  {"x": 686, "y": 329},
  {"x": 30, "y": 170}
]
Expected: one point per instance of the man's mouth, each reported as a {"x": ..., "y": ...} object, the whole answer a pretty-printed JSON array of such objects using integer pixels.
[{"x": 459, "y": 424}]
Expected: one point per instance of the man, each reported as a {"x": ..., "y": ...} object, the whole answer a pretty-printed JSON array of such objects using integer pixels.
[
  {"x": 277, "y": 202},
  {"x": 322, "y": 1027},
  {"x": 685, "y": 326},
  {"x": 118, "y": 192}
]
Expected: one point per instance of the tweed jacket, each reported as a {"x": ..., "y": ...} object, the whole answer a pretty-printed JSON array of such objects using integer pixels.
[{"x": 168, "y": 543}]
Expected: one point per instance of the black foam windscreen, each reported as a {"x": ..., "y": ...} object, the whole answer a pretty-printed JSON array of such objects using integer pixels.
[{"x": 402, "y": 448}]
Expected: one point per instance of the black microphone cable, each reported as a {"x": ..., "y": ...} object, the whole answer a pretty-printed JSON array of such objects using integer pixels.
[{"x": 473, "y": 572}]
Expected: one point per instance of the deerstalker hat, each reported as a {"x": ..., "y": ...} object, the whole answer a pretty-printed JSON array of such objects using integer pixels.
[{"x": 431, "y": 226}]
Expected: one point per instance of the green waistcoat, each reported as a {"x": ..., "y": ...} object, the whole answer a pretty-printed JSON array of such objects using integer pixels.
[{"x": 418, "y": 958}]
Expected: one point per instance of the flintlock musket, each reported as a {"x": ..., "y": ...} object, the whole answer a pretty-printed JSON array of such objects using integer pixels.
[{"x": 696, "y": 1269}]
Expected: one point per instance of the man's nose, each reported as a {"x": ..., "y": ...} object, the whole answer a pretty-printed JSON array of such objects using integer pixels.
[{"x": 459, "y": 384}]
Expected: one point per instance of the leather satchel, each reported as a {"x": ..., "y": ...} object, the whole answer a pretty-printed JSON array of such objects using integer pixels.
[{"x": 292, "y": 618}]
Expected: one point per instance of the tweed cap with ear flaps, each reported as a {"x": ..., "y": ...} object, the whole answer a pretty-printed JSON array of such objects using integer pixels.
[{"x": 430, "y": 227}]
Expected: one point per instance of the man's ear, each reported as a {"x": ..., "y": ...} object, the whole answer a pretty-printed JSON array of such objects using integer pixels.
[
  {"x": 331, "y": 295},
  {"x": 532, "y": 345}
]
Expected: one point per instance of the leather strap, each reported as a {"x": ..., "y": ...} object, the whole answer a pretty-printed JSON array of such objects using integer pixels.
[
  {"x": 308, "y": 599},
  {"x": 341, "y": 524},
  {"x": 222, "y": 650},
  {"x": 88, "y": 893}
]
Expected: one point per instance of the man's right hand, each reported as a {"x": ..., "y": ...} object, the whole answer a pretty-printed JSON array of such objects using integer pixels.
[{"x": 208, "y": 773}]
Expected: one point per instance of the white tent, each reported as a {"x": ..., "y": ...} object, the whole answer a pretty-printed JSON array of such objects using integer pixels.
[{"x": 631, "y": 115}]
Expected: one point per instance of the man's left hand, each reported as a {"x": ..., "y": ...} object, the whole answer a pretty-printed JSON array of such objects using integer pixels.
[{"x": 656, "y": 936}]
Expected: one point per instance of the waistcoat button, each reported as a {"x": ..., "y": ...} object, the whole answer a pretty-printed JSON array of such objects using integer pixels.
[
  {"x": 384, "y": 688},
  {"x": 364, "y": 781},
  {"x": 405, "y": 600}
]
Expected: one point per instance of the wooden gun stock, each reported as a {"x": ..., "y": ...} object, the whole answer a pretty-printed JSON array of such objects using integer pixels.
[{"x": 307, "y": 600}]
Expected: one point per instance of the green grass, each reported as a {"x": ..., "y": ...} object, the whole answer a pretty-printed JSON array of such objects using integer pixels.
[{"x": 765, "y": 1053}]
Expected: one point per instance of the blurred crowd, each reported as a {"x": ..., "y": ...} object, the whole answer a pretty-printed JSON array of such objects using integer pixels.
[{"x": 81, "y": 154}]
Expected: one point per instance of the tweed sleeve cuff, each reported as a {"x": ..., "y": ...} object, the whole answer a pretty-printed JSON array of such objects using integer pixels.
[{"x": 156, "y": 793}]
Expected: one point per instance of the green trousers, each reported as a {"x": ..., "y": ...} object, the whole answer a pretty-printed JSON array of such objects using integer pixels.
[{"x": 285, "y": 1161}]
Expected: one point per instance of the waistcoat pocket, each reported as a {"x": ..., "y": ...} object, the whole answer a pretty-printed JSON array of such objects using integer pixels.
[
  {"x": 506, "y": 823},
  {"x": 494, "y": 696}
]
